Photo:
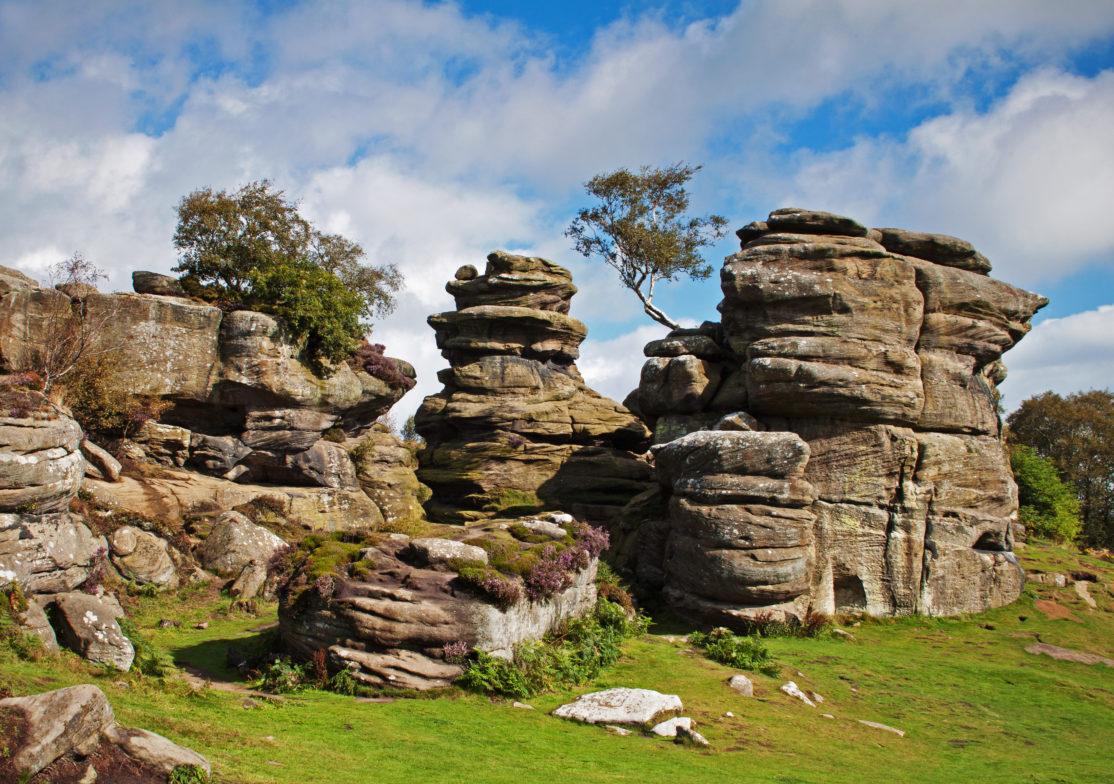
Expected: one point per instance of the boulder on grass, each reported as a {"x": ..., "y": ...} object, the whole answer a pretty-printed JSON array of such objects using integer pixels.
[
  {"x": 88, "y": 627},
  {"x": 619, "y": 706}
]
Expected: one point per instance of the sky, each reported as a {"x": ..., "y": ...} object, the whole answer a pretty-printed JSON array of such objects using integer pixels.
[{"x": 434, "y": 133}]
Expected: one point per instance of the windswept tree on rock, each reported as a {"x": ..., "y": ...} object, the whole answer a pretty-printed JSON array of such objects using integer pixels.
[
  {"x": 252, "y": 249},
  {"x": 69, "y": 332},
  {"x": 640, "y": 229}
]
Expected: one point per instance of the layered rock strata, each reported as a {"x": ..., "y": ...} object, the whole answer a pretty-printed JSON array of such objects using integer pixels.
[
  {"x": 515, "y": 423},
  {"x": 243, "y": 403},
  {"x": 880, "y": 349},
  {"x": 401, "y": 615}
]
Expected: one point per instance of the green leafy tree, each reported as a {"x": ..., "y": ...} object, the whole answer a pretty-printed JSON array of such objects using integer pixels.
[
  {"x": 1049, "y": 506},
  {"x": 639, "y": 228},
  {"x": 1076, "y": 433},
  {"x": 251, "y": 248}
]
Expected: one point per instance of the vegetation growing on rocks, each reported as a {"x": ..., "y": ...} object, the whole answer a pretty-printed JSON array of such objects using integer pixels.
[{"x": 253, "y": 250}]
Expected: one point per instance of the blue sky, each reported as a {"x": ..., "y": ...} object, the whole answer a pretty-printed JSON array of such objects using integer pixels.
[{"x": 433, "y": 133}]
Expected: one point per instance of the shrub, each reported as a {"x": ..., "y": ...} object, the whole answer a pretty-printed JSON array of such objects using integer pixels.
[
  {"x": 102, "y": 403},
  {"x": 745, "y": 653},
  {"x": 369, "y": 357},
  {"x": 282, "y": 676},
  {"x": 188, "y": 774},
  {"x": 569, "y": 657},
  {"x": 252, "y": 248}
]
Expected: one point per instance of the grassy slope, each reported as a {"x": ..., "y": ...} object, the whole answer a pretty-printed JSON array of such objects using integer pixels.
[{"x": 974, "y": 705}]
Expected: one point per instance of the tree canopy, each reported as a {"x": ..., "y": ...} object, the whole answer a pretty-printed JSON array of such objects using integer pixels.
[
  {"x": 1076, "y": 433},
  {"x": 252, "y": 249},
  {"x": 1048, "y": 505},
  {"x": 639, "y": 228}
]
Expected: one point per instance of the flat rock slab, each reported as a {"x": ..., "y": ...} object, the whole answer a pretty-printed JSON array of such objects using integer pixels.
[
  {"x": 793, "y": 690},
  {"x": 1066, "y": 654},
  {"x": 886, "y": 727},
  {"x": 619, "y": 706},
  {"x": 1082, "y": 593}
]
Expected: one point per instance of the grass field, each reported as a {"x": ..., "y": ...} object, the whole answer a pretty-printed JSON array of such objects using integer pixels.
[{"x": 975, "y": 706}]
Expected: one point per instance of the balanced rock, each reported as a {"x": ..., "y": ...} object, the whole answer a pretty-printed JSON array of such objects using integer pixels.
[
  {"x": 877, "y": 352},
  {"x": 515, "y": 425}
]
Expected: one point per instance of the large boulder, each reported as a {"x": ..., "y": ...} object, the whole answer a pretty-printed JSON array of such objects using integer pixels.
[
  {"x": 141, "y": 556},
  {"x": 74, "y": 730},
  {"x": 515, "y": 425},
  {"x": 401, "y": 616},
  {"x": 878, "y": 352},
  {"x": 87, "y": 625},
  {"x": 51, "y": 553},
  {"x": 234, "y": 542}
]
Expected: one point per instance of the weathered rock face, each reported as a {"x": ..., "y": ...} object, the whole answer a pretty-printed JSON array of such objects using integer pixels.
[
  {"x": 50, "y": 553},
  {"x": 241, "y": 398},
  {"x": 41, "y": 465},
  {"x": 515, "y": 419},
  {"x": 71, "y": 735},
  {"x": 394, "y": 617},
  {"x": 878, "y": 349},
  {"x": 87, "y": 625},
  {"x": 234, "y": 543}
]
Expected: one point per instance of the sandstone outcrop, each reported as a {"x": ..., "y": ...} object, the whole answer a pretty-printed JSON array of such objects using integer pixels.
[
  {"x": 515, "y": 424},
  {"x": 400, "y": 613},
  {"x": 241, "y": 399},
  {"x": 41, "y": 465},
  {"x": 87, "y": 626},
  {"x": 878, "y": 350},
  {"x": 50, "y": 553},
  {"x": 71, "y": 734}
]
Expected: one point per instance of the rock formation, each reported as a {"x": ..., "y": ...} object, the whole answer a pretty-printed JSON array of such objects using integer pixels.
[
  {"x": 515, "y": 424},
  {"x": 242, "y": 404},
  {"x": 41, "y": 465},
  {"x": 71, "y": 735},
  {"x": 868, "y": 360},
  {"x": 399, "y": 613}
]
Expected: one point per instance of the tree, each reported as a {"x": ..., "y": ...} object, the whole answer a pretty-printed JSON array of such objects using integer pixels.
[
  {"x": 640, "y": 229},
  {"x": 251, "y": 248},
  {"x": 68, "y": 332},
  {"x": 1077, "y": 434},
  {"x": 1049, "y": 506}
]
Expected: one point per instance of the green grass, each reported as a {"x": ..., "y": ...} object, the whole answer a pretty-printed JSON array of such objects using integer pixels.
[{"x": 974, "y": 705}]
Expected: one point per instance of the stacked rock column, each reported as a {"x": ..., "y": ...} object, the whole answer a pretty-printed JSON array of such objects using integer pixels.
[
  {"x": 880, "y": 349},
  {"x": 515, "y": 426}
]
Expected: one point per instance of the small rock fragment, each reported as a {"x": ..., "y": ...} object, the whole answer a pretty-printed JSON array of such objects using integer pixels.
[
  {"x": 742, "y": 684},
  {"x": 616, "y": 729},
  {"x": 688, "y": 735},
  {"x": 886, "y": 727},
  {"x": 793, "y": 690},
  {"x": 670, "y": 727},
  {"x": 523, "y": 705},
  {"x": 843, "y": 634}
]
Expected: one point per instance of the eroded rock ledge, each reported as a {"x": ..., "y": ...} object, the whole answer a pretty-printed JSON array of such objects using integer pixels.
[{"x": 878, "y": 351}]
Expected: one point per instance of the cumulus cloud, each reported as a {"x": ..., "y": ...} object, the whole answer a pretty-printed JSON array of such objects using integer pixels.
[
  {"x": 1029, "y": 181},
  {"x": 612, "y": 367},
  {"x": 432, "y": 136},
  {"x": 1064, "y": 355}
]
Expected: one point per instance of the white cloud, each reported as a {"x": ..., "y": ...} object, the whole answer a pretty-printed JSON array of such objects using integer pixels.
[
  {"x": 1064, "y": 355},
  {"x": 612, "y": 367},
  {"x": 1029, "y": 181}
]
